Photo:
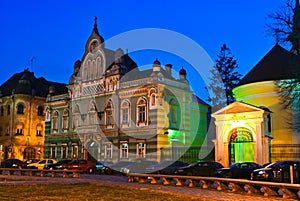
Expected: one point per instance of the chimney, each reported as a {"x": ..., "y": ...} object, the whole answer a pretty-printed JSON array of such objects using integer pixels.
[{"x": 169, "y": 69}]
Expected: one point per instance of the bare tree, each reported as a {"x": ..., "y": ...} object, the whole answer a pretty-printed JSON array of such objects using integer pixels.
[{"x": 285, "y": 28}]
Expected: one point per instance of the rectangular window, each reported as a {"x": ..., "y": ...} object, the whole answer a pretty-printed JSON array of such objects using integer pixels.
[
  {"x": 124, "y": 150},
  {"x": 53, "y": 149},
  {"x": 75, "y": 151},
  {"x": 8, "y": 110},
  {"x": 64, "y": 151},
  {"x": 38, "y": 133},
  {"x": 109, "y": 117},
  {"x": 174, "y": 115},
  {"x": 142, "y": 114},
  {"x": 108, "y": 150},
  {"x": 2, "y": 111},
  {"x": 19, "y": 131},
  {"x": 141, "y": 149},
  {"x": 125, "y": 115}
]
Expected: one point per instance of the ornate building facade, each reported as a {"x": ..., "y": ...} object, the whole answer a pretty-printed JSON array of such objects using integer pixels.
[
  {"x": 22, "y": 116},
  {"x": 115, "y": 111}
]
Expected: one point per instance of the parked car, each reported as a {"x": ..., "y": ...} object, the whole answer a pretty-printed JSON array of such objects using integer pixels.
[
  {"x": 238, "y": 170},
  {"x": 138, "y": 166},
  {"x": 202, "y": 168},
  {"x": 100, "y": 165},
  {"x": 115, "y": 168},
  {"x": 278, "y": 172},
  {"x": 56, "y": 166},
  {"x": 32, "y": 161},
  {"x": 84, "y": 165},
  {"x": 13, "y": 163},
  {"x": 166, "y": 167},
  {"x": 40, "y": 165}
]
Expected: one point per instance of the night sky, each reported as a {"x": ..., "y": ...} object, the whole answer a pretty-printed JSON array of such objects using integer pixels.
[{"x": 55, "y": 32}]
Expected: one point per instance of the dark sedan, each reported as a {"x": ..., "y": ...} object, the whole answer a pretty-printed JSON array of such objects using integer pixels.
[
  {"x": 278, "y": 172},
  {"x": 166, "y": 167},
  {"x": 238, "y": 170},
  {"x": 57, "y": 166},
  {"x": 115, "y": 168},
  {"x": 13, "y": 163},
  {"x": 202, "y": 168}
]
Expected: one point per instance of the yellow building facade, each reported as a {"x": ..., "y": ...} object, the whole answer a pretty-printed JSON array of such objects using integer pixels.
[
  {"x": 22, "y": 116},
  {"x": 257, "y": 127}
]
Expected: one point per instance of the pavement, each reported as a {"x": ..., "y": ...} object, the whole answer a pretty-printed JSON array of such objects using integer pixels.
[{"x": 122, "y": 181}]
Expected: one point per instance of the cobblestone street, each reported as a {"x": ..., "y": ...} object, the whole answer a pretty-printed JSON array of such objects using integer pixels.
[{"x": 122, "y": 181}]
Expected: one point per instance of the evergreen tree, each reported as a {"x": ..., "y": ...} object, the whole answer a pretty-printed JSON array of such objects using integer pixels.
[{"x": 224, "y": 78}]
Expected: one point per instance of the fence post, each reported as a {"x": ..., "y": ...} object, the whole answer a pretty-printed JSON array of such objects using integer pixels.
[{"x": 292, "y": 174}]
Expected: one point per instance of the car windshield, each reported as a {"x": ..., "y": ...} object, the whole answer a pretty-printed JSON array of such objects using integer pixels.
[
  {"x": 274, "y": 164},
  {"x": 234, "y": 165}
]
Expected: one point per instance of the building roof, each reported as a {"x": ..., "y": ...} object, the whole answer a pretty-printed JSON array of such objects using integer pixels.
[
  {"x": 277, "y": 64},
  {"x": 26, "y": 83}
]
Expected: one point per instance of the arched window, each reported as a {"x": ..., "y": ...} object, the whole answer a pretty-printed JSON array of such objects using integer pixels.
[
  {"x": 76, "y": 117},
  {"x": 8, "y": 110},
  {"x": 109, "y": 113},
  {"x": 92, "y": 114},
  {"x": 94, "y": 70},
  {"x": 65, "y": 120},
  {"x": 99, "y": 70},
  {"x": 40, "y": 110},
  {"x": 2, "y": 110},
  {"x": 20, "y": 108},
  {"x": 142, "y": 112},
  {"x": 125, "y": 112},
  {"x": 88, "y": 70},
  {"x": 153, "y": 98},
  {"x": 55, "y": 121},
  {"x": 174, "y": 111}
]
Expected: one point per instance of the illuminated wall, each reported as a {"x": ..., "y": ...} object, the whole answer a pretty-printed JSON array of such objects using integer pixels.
[{"x": 240, "y": 135}]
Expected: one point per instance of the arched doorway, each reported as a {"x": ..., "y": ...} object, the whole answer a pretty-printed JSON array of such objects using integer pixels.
[
  {"x": 241, "y": 146},
  {"x": 29, "y": 153},
  {"x": 93, "y": 151}
]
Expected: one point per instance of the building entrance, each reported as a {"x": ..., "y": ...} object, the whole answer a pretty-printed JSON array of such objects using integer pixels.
[{"x": 241, "y": 146}]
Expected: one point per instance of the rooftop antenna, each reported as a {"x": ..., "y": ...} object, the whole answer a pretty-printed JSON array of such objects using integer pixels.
[{"x": 31, "y": 63}]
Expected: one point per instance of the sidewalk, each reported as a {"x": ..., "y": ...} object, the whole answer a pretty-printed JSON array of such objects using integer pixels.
[{"x": 122, "y": 182}]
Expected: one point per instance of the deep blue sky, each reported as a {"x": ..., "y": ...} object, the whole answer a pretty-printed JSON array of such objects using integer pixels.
[{"x": 55, "y": 32}]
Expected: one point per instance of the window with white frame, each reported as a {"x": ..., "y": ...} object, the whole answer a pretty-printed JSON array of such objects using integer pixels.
[
  {"x": 75, "y": 150},
  {"x": 92, "y": 114},
  {"x": 125, "y": 112},
  {"x": 142, "y": 111},
  {"x": 65, "y": 120},
  {"x": 109, "y": 113},
  {"x": 141, "y": 149},
  {"x": 76, "y": 117},
  {"x": 124, "y": 149},
  {"x": 108, "y": 150},
  {"x": 53, "y": 150},
  {"x": 55, "y": 121},
  {"x": 64, "y": 151}
]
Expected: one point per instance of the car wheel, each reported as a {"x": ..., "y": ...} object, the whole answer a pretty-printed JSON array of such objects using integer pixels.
[
  {"x": 189, "y": 174},
  {"x": 271, "y": 177}
]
